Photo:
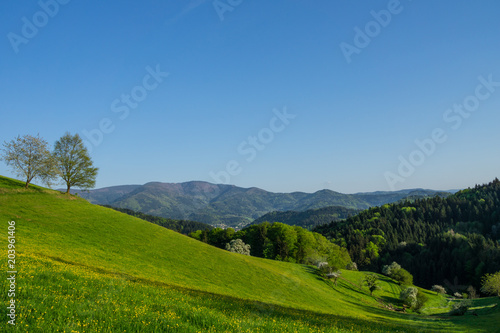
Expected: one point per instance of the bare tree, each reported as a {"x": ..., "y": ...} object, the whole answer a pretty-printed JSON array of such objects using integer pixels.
[{"x": 30, "y": 158}]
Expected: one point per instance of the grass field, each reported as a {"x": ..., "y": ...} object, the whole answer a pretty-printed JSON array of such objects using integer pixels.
[{"x": 85, "y": 268}]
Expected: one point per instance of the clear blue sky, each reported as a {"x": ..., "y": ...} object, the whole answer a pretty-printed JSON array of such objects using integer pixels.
[{"x": 84, "y": 64}]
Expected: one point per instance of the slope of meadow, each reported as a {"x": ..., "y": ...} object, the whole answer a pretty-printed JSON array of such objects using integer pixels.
[{"x": 85, "y": 268}]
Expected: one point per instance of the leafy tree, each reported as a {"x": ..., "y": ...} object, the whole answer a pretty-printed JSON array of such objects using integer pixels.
[
  {"x": 73, "y": 162},
  {"x": 305, "y": 244},
  {"x": 238, "y": 246},
  {"x": 371, "y": 281},
  {"x": 491, "y": 284},
  {"x": 285, "y": 239},
  {"x": 30, "y": 158}
]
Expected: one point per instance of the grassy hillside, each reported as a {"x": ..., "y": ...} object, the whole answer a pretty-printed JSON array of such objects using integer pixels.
[
  {"x": 181, "y": 226},
  {"x": 85, "y": 268}
]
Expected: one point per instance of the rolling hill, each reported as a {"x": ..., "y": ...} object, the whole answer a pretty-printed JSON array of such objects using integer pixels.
[
  {"x": 229, "y": 205},
  {"x": 86, "y": 268}
]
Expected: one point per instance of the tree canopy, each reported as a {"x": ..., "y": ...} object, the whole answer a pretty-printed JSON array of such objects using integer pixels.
[
  {"x": 491, "y": 284},
  {"x": 74, "y": 163},
  {"x": 30, "y": 158},
  {"x": 280, "y": 242}
]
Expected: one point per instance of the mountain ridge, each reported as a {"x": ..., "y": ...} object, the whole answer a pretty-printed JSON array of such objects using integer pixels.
[{"x": 229, "y": 205}]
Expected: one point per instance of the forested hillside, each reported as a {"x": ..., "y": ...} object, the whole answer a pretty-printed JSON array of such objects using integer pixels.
[{"x": 452, "y": 241}]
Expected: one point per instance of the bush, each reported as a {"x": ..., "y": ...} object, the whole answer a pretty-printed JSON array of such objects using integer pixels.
[
  {"x": 413, "y": 298},
  {"x": 421, "y": 300},
  {"x": 472, "y": 292},
  {"x": 238, "y": 246},
  {"x": 390, "y": 269},
  {"x": 352, "y": 266},
  {"x": 324, "y": 268},
  {"x": 460, "y": 308},
  {"x": 409, "y": 296},
  {"x": 399, "y": 274},
  {"x": 438, "y": 289},
  {"x": 403, "y": 277}
]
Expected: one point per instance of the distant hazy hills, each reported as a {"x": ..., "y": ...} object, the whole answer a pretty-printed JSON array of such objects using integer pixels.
[{"x": 230, "y": 205}]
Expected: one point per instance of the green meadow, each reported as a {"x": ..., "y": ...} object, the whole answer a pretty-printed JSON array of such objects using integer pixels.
[{"x": 86, "y": 268}]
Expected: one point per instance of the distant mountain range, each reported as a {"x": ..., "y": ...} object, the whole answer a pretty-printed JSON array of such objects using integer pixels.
[{"x": 229, "y": 205}]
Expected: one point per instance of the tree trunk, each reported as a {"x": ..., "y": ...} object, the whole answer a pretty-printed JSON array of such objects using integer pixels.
[{"x": 67, "y": 190}]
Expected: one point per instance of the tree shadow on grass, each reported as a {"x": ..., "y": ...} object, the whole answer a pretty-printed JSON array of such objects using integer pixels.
[{"x": 314, "y": 271}]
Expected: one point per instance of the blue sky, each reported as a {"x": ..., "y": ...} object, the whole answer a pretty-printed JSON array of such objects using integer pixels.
[{"x": 283, "y": 95}]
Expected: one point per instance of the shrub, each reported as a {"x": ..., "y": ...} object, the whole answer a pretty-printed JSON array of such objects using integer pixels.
[
  {"x": 324, "y": 268},
  {"x": 390, "y": 269},
  {"x": 421, "y": 300},
  {"x": 472, "y": 292},
  {"x": 403, "y": 277},
  {"x": 238, "y": 246},
  {"x": 352, "y": 266},
  {"x": 413, "y": 298},
  {"x": 409, "y": 296},
  {"x": 460, "y": 308},
  {"x": 438, "y": 289}
]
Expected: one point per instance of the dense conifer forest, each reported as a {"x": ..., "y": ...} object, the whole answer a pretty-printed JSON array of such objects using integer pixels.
[{"x": 452, "y": 241}]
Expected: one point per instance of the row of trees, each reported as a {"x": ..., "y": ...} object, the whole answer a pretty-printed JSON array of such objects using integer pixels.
[
  {"x": 280, "y": 242},
  {"x": 30, "y": 158}
]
